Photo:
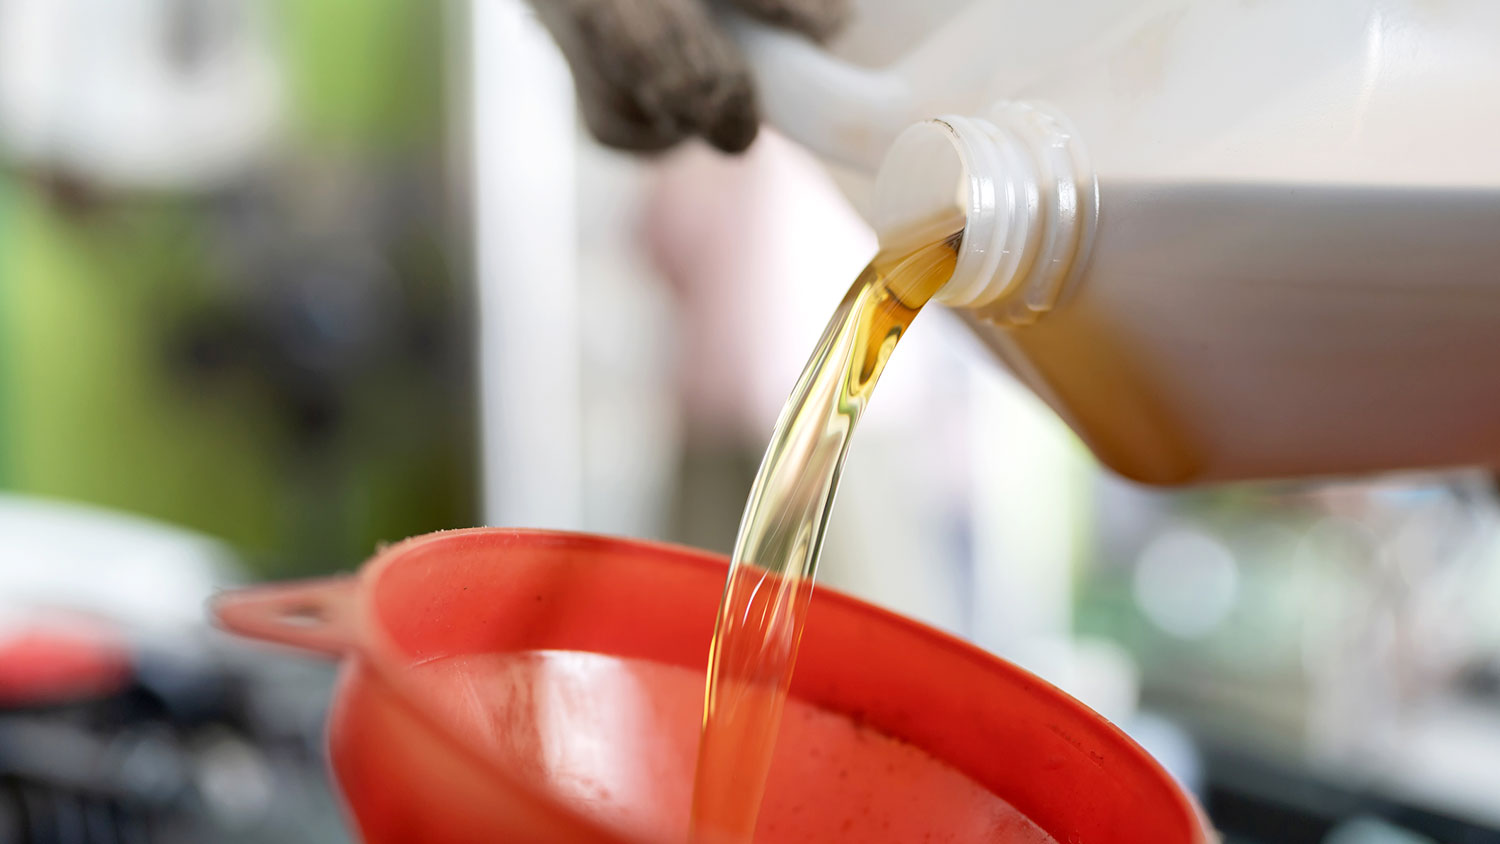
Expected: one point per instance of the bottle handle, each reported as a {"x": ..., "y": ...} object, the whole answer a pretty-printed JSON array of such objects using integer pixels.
[
  {"x": 311, "y": 615},
  {"x": 839, "y": 110}
]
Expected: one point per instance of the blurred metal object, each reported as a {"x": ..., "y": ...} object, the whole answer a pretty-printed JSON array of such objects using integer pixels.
[
  {"x": 128, "y": 766},
  {"x": 165, "y": 732},
  {"x": 138, "y": 94}
]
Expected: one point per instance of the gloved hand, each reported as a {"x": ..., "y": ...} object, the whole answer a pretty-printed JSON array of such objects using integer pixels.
[{"x": 652, "y": 72}]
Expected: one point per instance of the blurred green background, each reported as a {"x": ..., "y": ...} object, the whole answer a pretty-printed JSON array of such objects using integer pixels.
[{"x": 281, "y": 360}]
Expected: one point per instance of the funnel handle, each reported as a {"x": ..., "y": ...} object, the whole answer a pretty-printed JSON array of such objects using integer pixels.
[{"x": 310, "y": 615}]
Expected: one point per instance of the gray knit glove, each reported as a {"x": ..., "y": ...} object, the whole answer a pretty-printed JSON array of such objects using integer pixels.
[{"x": 652, "y": 72}]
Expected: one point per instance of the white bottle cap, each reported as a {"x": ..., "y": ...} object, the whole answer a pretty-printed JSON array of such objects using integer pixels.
[{"x": 1021, "y": 180}]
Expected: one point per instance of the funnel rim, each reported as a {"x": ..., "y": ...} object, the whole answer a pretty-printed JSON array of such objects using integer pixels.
[{"x": 378, "y": 648}]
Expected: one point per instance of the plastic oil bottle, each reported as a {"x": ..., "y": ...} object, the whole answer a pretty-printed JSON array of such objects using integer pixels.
[{"x": 1223, "y": 240}]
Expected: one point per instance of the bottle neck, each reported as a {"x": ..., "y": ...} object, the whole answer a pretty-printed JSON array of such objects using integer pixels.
[{"x": 1021, "y": 181}]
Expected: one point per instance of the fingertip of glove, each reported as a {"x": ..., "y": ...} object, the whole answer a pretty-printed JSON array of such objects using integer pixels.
[
  {"x": 735, "y": 125},
  {"x": 626, "y": 130}
]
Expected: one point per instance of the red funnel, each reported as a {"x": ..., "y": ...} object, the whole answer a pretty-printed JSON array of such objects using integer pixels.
[{"x": 447, "y": 726}]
